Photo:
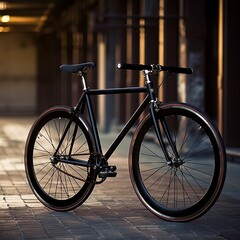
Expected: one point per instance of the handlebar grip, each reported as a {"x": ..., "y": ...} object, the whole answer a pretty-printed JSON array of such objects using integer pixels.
[
  {"x": 130, "y": 66},
  {"x": 177, "y": 69}
]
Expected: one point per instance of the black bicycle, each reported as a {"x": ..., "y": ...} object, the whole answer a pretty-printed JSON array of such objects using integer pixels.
[{"x": 177, "y": 159}]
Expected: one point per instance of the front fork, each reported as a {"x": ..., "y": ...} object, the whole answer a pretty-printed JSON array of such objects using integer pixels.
[
  {"x": 175, "y": 159},
  {"x": 154, "y": 109}
]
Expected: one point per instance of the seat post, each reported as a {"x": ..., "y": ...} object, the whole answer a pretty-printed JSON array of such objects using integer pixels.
[{"x": 84, "y": 84}]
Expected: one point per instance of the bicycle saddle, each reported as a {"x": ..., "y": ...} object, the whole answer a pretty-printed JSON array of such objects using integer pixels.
[{"x": 75, "y": 68}]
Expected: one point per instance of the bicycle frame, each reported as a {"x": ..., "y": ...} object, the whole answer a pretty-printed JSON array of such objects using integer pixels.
[
  {"x": 127, "y": 126},
  {"x": 149, "y": 99}
]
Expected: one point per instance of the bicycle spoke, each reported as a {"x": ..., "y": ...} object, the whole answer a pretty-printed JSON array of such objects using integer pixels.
[
  {"x": 60, "y": 180},
  {"x": 175, "y": 184}
]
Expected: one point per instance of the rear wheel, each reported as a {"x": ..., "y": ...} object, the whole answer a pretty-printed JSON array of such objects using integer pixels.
[
  {"x": 185, "y": 188},
  {"x": 60, "y": 186}
]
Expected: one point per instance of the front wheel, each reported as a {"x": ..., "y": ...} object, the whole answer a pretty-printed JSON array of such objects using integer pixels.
[
  {"x": 185, "y": 188},
  {"x": 58, "y": 185}
]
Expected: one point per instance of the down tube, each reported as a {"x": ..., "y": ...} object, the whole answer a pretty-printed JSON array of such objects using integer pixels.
[{"x": 127, "y": 127}]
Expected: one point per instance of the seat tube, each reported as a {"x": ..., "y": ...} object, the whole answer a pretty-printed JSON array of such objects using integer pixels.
[
  {"x": 93, "y": 123},
  {"x": 91, "y": 115}
]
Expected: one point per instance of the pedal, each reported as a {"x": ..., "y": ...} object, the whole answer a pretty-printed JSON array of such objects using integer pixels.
[{"x": 108, "y": 171}]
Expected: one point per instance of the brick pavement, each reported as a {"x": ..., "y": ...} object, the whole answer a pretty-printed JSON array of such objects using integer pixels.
[{"x": 111, "y": 212}]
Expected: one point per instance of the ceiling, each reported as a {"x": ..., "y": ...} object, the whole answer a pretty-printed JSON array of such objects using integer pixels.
[{"x": 24, "y": 15}]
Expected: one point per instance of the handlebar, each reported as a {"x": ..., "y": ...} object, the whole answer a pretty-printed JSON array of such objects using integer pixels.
[{"x": 154, "y": 67}]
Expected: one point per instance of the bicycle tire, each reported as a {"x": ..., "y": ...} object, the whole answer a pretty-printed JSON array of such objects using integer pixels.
[
  {"x": 171, "y": 192},
  {"x": 59, "y": 186}
]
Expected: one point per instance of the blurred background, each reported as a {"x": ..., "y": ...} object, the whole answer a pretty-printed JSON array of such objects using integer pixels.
[{"x": 36, "y": 37}]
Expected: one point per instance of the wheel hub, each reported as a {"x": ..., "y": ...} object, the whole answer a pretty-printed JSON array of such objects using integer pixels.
[
  {"x": 54, "y": 160},
  {"x": 176, "y": 162}
]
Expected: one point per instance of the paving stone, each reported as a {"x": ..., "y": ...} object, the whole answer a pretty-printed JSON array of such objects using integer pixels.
[{"x": 113, "y": 211}]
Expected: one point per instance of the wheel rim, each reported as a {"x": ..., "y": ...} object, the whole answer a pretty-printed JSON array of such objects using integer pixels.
[
  {"x": 58, "y": 185},
  {"x": 186, "y": 187}
]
